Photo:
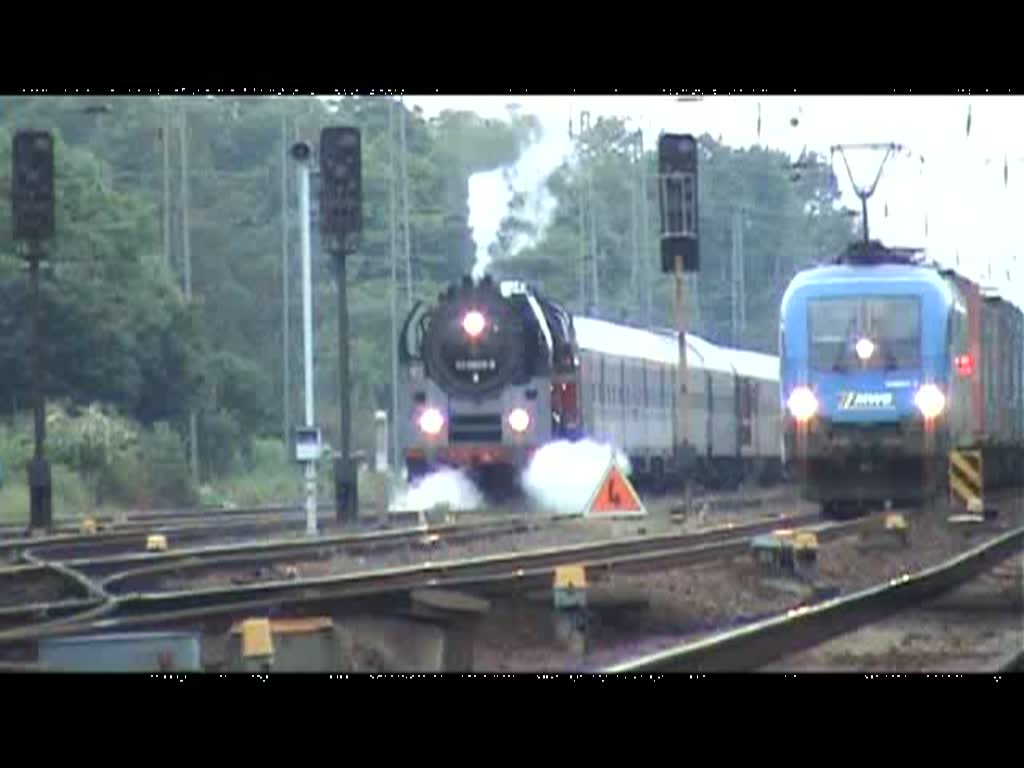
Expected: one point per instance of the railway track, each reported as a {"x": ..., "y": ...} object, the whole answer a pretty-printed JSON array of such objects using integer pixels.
[
  {"x": 144, "y": 519},
  {"x": 389, "y": 588},
  {"x": 81, "y": 575},
  {"x": 106, "y": 566},
  {"x": 764, "y": 643},
  {"x": 63, "y": 546},
  {"x": 158, "y": 517}
]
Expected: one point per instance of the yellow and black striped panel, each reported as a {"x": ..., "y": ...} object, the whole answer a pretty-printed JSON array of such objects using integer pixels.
[{"x": 966, "y": 484}]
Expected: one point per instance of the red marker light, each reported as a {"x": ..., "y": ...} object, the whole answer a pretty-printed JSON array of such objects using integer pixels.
[
  {"x": 473, "y": 323},
  {"x": 964, "y": 364}
]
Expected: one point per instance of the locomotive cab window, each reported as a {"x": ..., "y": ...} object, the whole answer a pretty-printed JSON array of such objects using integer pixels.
[{"x": 892, "y": 325}]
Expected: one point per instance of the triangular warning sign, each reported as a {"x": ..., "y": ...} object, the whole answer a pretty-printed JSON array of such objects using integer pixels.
[{"x": 615, "y": 496}]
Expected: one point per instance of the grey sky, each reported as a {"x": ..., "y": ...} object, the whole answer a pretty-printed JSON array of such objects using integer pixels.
[{"x": 960, "y": 186}]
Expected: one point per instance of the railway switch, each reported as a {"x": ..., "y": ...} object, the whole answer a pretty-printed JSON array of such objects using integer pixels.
[
  {"x": 787, "y": 553},
  {"x": 570, "y": 601},
  {"x": 301, "y": 644},
  {"x": 893, "y": 533},
  {"x": 570, "y": 587},
  {"x": 257, "y": 645}
]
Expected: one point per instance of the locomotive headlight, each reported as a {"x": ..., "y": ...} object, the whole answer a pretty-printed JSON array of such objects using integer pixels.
[
  {"x": 473, "y": 323},
  {"x": 519, "y": 420},
  {"x": 431, "y": 421},
  {"x": 930, "y": 401},
  {"x": 864, "y": 348},
  {"x": 802, "y": 404}
]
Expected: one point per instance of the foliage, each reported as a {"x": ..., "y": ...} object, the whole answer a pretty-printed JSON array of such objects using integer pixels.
[
  {"x": 114, "y": 329},
  {"x": 271, "y": 478},
  {"x": 788, "y": 222},
  {"x": 138, "y": 345},
  {"x": 71, "y": 495},
  {"x": 167, "y": 473},
  {"x": 96, "y": 443},
  {"x": 221, "y": 437}
]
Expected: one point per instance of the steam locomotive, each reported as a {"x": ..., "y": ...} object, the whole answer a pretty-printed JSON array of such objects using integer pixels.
[{"x": 495, "y": 371}]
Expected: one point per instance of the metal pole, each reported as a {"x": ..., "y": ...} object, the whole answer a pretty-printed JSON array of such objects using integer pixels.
[
  {"x": 393, "y": 232},
  {"x": 864, "y": 211},
  {"x": 734, "y": 283},
  {"x": 39, "y": 408},
  {"x": 634, "y": 265},
  {"x": 40, "y": 500},
  {"x": 681, "y": 405},
  {"x": 644, "y": 234},
  {"x": 407, "y": 246},
  {"x": 589, "y": 193},
  {"x": 581, "y": 266},
  {"x": 286, "y": 336},
  {"x": 742, "y": 273},
  {"x": 593, "y": 237},
  {"x": 582, "y": 271},
  {"x": 193, "y": 439},
  {"x": 307, "y": 336},
  {"x": 167, "y": 183},
  {"x": 346, "y": 490}
]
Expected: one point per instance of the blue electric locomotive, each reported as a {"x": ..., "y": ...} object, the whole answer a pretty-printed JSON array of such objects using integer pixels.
[{"x": 887, "y": 364}]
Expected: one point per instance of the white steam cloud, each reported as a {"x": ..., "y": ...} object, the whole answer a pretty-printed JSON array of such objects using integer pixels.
[
  {"x": 563, "y": 476},
  {"x": 489, "y": 195},
  {"x": 446, "y": 486},
  {"x": 491, "y": 192}
]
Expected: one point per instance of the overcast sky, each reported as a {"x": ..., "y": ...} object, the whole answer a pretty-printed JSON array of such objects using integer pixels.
[{"x": 959, "y": 186}]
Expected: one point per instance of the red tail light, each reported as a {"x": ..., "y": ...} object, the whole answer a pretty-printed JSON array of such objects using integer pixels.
[
  {"x": 964, "y": 365},
  {"x": 569, "y": 408}
]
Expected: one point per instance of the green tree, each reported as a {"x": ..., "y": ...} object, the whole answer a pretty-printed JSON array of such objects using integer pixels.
[
  {"x": 789, "y": 219},
  {"x": 154, "y": 345},
  {"x": 115, "y": 328},
  {"x": 94, "y": 442}
]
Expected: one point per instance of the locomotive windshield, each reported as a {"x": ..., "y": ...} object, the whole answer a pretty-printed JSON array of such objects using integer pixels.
[{"x": 890, "y": 324}]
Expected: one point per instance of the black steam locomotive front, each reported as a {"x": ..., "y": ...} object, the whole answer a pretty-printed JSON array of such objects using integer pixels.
[
  {"x": 475, "y": 341},
  {"x": 479, "y": 374}
]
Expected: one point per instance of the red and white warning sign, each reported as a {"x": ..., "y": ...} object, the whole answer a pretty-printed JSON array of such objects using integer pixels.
[{"x": 615, "y": 496}]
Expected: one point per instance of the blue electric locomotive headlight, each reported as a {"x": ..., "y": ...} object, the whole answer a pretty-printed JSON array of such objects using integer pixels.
[
  {"x": 802, "y": 404},
  {"x": 930, "y": 401}
]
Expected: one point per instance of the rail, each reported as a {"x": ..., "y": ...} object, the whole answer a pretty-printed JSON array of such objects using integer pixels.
[
  {"x": 752, "y": 647},
  {"x": 388, "y": 587}
]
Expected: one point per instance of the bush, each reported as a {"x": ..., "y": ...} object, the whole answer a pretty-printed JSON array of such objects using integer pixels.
[
  {"x": 14, "y": 501},
  {"x": 124, "y": 484},
  {"x": 97, "y": 443},
  {"x": 270, "y": 478},
  {"x": 72, "y": 497},
  {"x": 15, "y": 451},
  {"x": 163, "y": 455},
  {"x": 221, "y": 438}
]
